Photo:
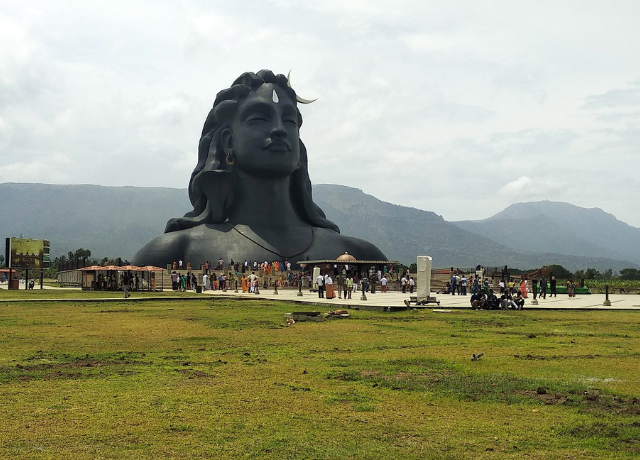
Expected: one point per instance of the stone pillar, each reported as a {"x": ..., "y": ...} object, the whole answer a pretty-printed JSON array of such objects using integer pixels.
[
  {"x": 423, "y": 290},
  {"x": 316, "y": 272}
]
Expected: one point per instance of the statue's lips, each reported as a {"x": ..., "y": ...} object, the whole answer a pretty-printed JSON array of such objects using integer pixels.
[{"x": 278, "y": 146}]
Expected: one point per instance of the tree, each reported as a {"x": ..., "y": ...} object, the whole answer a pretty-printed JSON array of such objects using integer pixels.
[
  {"x": 1, "y": 261},
  {"x": 630, "y": 274},
  {"x": 558, "y": 271},
  {"x": 591, "y": 274},
  {"x": 81, "y": 254}
]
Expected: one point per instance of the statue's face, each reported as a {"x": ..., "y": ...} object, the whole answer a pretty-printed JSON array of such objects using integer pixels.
[{"x": 264, "y": 133}]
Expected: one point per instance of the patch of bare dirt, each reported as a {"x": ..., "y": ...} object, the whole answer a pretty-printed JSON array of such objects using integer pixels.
[
  {"x": 63, "y": 375},
  {"x": 549, "y": 399},
  {"x": 366, "y": 373},
  {"x": 194, "y": 374}
]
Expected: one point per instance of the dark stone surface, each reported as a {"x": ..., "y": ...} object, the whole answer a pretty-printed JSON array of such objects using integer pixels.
[{"x": 250, "y": 190}]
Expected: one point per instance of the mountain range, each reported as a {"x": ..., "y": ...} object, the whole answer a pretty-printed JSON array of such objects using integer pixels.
[
  {"x": 561, "y": 228},
  {"x": 117, "y": 221}
]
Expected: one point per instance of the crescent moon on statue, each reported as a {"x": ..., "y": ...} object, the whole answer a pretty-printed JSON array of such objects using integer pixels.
[{"x": 298, "y": 98}]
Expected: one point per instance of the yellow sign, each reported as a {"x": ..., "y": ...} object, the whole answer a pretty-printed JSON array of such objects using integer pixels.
[{"x": 26, "y": 253}]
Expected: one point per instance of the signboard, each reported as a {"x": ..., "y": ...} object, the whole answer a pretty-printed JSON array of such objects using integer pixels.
[{"x": 27, "y": 253}]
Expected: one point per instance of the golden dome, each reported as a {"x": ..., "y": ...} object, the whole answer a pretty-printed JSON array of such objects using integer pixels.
[{"x": 346, "y": 257}]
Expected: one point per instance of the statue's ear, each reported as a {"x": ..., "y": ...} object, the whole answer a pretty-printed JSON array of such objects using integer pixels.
[{"x": 227, "y": 140}]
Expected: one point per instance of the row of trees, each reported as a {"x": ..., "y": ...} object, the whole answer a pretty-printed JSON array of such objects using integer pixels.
[
  {"x": 626, "y": 274},
  {"x": 592, "y": 274},
  {"x": 630, "y": 274},
  {"x": 79, "y": 258}
]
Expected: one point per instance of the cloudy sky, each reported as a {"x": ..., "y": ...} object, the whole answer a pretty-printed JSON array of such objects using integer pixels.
[{"x": 456, "y": 107}]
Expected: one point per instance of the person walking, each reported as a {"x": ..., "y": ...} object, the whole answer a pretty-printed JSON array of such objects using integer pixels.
[
  {"x": 174, "y": 280},
  {"x": 523, "y": 288},
  {"x": 383, "y": 283},
  {"x": 543, "y": 288},
  {"x": 340, "y": 284},
  {"x": 552, "y": 285},
  {"x": 320, "y": 283},
  {"x": 349, "y": 285},
  {"x": 253, "y": 283},
  {"x": 125, "y": 284},
  {"x": 328, "y": 286}
]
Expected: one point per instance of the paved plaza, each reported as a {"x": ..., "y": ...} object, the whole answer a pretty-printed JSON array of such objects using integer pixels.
[
  {"x": 395, "y": 299},
  {"x": 382, "y": 301}
]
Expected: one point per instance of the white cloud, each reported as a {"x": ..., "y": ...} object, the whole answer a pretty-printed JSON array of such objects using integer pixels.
[
  {"x": 615, "y": 98},
  {"x": 458, "y": 110}
]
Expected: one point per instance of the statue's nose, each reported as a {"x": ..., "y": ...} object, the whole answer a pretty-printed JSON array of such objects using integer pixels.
[{"x": 278, "y": 128}]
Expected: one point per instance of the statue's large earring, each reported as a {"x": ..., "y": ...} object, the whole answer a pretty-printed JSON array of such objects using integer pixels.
[{"x": 229, "y": 160}]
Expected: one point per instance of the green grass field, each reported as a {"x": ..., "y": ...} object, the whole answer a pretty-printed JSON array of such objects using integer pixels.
[
  {"x": 62, "y": 294},
  {"x": 227, "y": 379}
]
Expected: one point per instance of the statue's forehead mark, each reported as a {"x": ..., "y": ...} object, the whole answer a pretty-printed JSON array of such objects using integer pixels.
[
  {"x": 260, "y": 105},
  {"x": 275, "y": 97}
]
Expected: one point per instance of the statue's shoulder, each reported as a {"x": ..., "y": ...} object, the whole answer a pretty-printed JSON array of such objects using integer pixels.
[
  {"x": 162, "y": 249},
  {"x": 181, "y": 244}
]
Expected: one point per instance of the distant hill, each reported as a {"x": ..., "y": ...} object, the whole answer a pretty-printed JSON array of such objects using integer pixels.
[
  {"x": 402, "y": 233},
  {"x": 560, "y": 228},
  {"x": 117, "y": 221},
  {"x": 110, "y": 221}
]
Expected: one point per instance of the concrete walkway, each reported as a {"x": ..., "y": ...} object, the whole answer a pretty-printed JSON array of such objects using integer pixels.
[{"x": 392, "y": 300}]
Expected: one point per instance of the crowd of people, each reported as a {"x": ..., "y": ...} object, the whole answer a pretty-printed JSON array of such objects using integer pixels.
[
  {"x": 342, "y": 284},
  {"x": 346, "y": 283},
  {"x": 184, "y": 281},
  {"x": 458, "y": 285},
  {"x": 126, "y": 281},
  {"x": 239, "y": 267},
  {"x": 242, "y": 275},
  {"x": 489, "y": 301},
  {"x": 512, "y": 293}
]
